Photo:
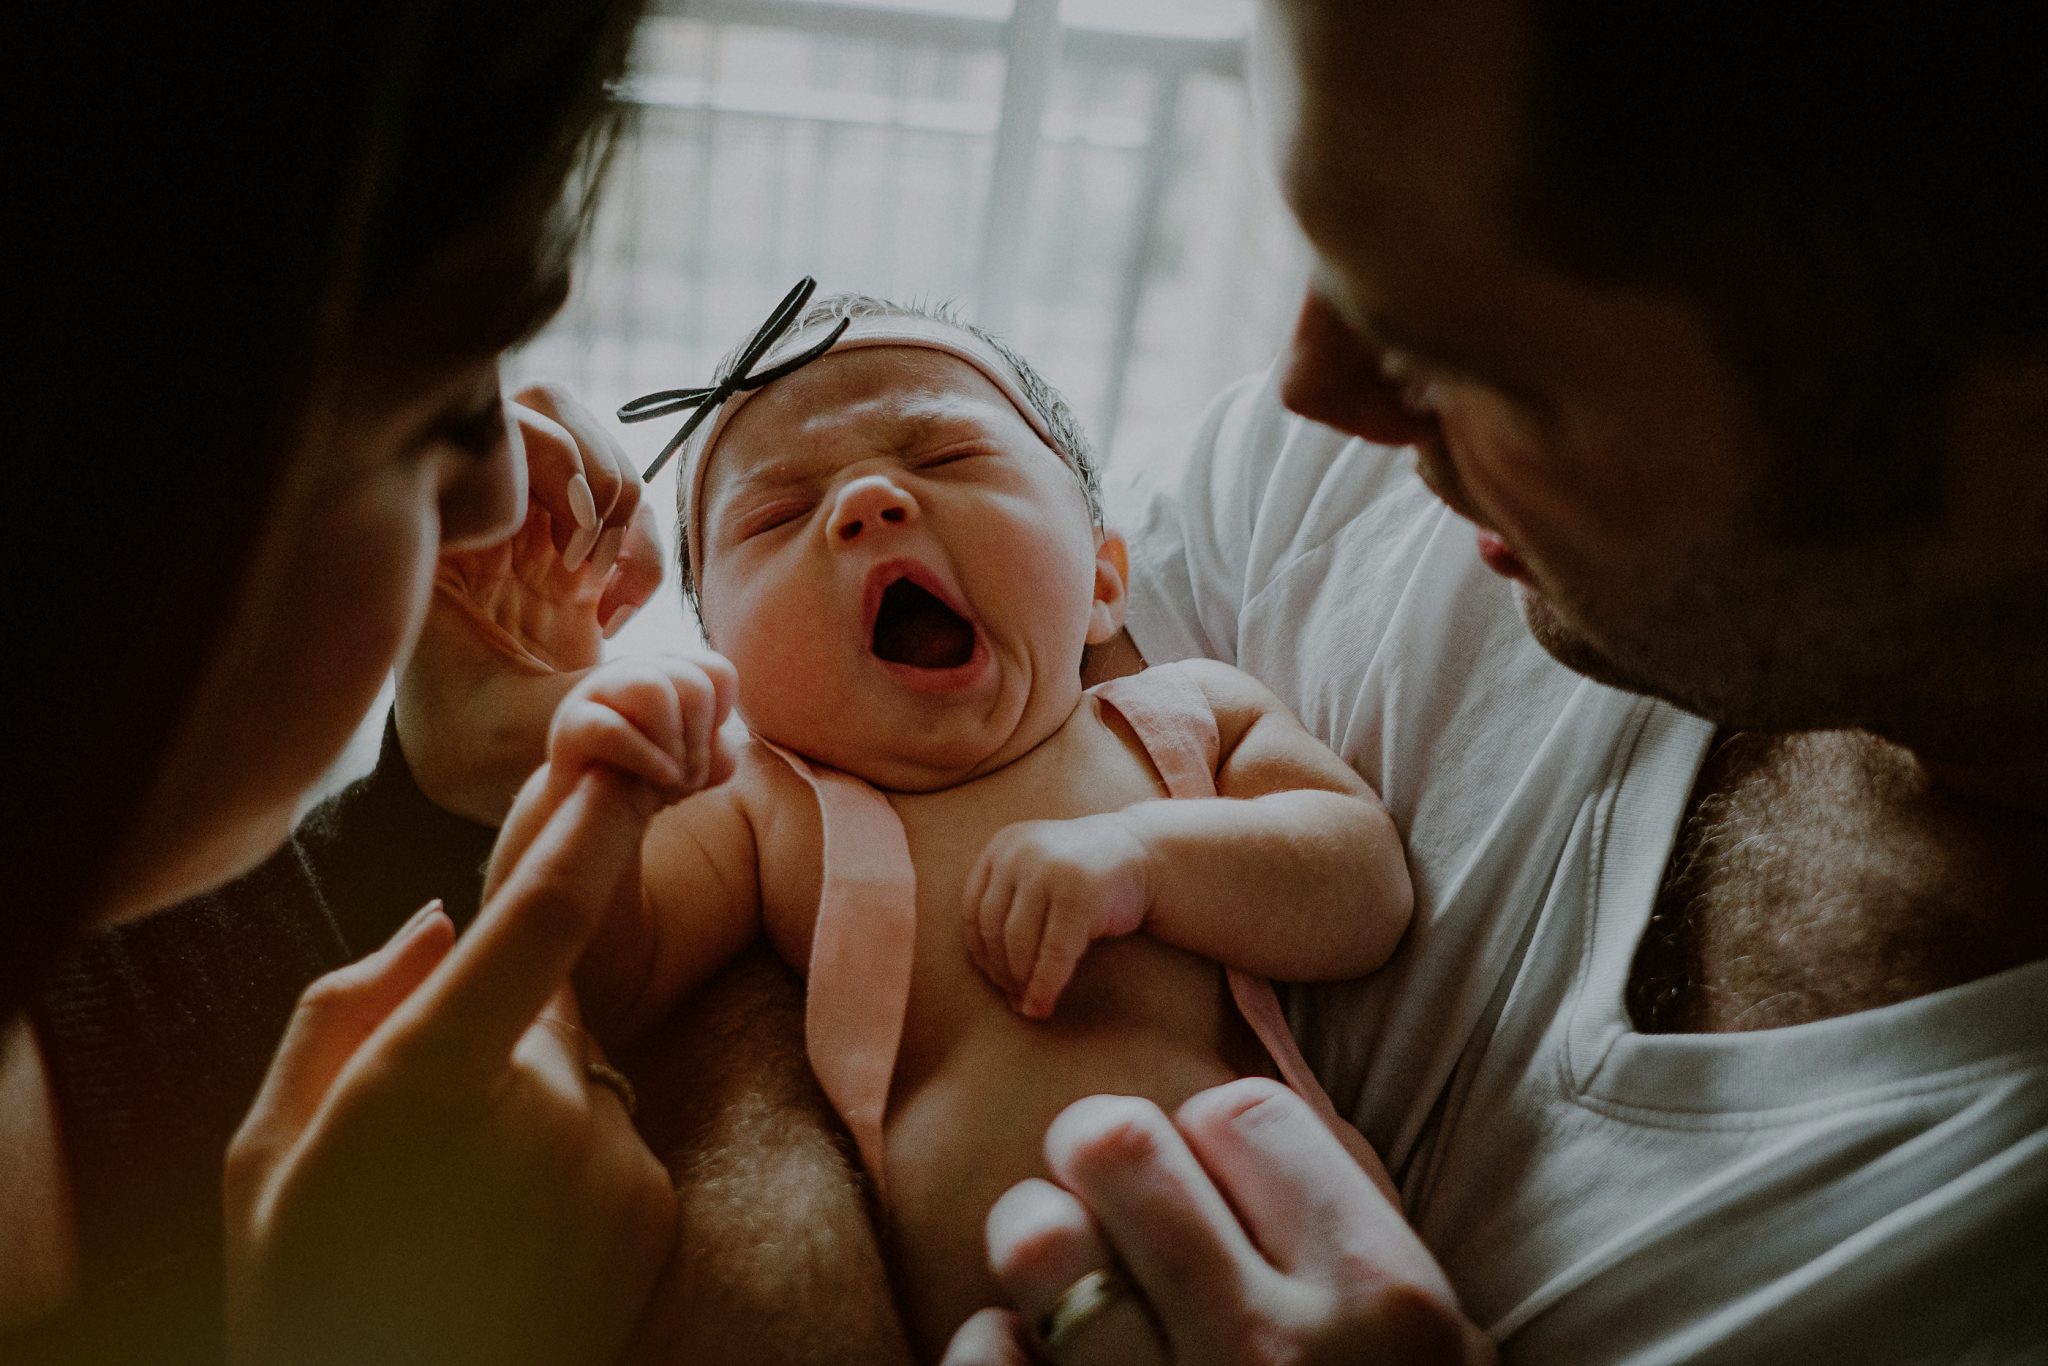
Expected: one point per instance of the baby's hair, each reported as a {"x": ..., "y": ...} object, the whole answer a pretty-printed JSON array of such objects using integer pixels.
[{"x": 1069, "y": 441}]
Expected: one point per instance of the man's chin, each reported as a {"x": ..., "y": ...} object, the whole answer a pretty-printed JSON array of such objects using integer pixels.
[{"x": 1563, "y": 643}]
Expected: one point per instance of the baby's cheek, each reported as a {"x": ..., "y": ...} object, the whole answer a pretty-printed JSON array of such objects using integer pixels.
[{"x": 790, "y": 681}]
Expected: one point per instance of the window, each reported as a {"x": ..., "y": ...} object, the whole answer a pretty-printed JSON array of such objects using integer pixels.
[{"x": 1077, "y": 176}]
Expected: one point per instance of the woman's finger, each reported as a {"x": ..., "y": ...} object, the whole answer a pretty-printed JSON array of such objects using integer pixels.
[
  {"x": 1176, "y": 1234},
  {"x": 613, "y": 482},
  {"x": 1304, "y": 1199},
  {"x": 559, "y": 485},
  {"x": 333, "y": 1018},
  {"x": 1042, "y": 1245},
  {"x": 488, "y": 992},
  {"x": 993, "y": 1337},
  {"x": 635, "y": 576}
]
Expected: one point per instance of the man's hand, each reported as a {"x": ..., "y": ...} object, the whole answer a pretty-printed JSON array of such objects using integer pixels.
[
  {"x": 1042, "y": 892},
  {"x": 1247, "y": 1229},
  {"x": 513, "y": 626}
]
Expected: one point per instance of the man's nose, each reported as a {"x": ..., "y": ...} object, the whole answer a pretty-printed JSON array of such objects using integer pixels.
[
  {"x": 1333, "y": 377},
  {"x": 866, "y": 505}
]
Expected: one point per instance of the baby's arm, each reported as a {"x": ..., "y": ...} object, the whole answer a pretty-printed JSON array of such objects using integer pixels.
[
  {"x": 696, "y": 908},
  {"x": 687, "y": 906},
  {"x": 1293, "y": 871}
]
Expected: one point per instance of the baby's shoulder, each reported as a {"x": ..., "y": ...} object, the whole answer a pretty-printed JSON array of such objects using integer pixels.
[
  {"x": 778, "y": 803},
  {"x": 1233, "y": 695}
]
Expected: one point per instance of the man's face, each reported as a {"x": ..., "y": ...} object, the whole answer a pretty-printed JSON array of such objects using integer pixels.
[
  {"x": 1594, "y": 435},
  {"x": 902, "y": 572}
]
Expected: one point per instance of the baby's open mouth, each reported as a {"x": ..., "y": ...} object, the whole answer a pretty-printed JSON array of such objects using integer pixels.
[{"x": 913, "y": 627}]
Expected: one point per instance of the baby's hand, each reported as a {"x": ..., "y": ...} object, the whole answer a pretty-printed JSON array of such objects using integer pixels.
[
  {"x": 1042, "y": 892},
  {"x": 658, "y": 720},
  {"x": 650, "y": 731}
]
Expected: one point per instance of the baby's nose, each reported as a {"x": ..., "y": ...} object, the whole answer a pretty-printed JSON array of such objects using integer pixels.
[{"x": 867, "y": 504}]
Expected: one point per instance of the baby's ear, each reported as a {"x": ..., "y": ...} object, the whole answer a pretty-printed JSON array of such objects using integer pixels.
[{"x": 1112, "y": 586}]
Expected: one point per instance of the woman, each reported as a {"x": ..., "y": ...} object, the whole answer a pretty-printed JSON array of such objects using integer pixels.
[{"x": 275, "y": 251}]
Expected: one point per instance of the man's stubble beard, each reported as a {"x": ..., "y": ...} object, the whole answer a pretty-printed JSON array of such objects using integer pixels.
[{"x": 1827, "y": 640}]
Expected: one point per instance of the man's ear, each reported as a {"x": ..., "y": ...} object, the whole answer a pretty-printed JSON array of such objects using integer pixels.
[{"x": 1112, "y": 586}]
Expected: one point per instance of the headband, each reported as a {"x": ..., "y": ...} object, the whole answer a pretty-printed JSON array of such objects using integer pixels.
[{"x": 716, "y": 403}]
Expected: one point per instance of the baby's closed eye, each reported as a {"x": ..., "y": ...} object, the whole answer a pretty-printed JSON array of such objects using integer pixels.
[
  {"x": 952, "y": 455},
  {"x": 771, "y": 516}
]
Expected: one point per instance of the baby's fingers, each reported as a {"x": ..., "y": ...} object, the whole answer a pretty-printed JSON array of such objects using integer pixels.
[
  {"x": 1060, "y": 947},
  {"x": 588, "y": 733},
  {"x": 1022, "y": 935},
  {"x": 973, "y": 914},
  {"x": 990, "y": 917}
]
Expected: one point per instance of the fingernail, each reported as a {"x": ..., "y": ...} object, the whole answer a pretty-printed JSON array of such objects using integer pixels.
[
  {"x": 621, "y": 614},
  {"x": 578, "y": 550},
  {"x": 607, "y": 553},
  {"x": 419, "y": 919},
  {"x": 582, "y": 506}
]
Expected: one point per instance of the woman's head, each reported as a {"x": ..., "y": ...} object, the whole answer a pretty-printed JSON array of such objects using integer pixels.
[{"x": 275, "y": 252}]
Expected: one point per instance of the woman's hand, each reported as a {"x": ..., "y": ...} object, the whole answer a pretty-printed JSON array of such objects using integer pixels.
[
  {"x": 512, "y": 627},
  {"x": 431, "y": 1172},
  {"x": 1248, "y": 1231}
]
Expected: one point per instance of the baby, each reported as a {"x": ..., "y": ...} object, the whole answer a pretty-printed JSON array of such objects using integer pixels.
[{"x": 1005, "y": 891}]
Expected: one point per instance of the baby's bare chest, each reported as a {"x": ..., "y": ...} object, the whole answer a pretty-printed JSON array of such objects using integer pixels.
[
  {"x": 1094, "y": 763},
  {"x": 1090, "y": 766}
]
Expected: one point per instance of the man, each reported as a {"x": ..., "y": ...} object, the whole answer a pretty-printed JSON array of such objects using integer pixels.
[{"x": 1718, "y": 1039}]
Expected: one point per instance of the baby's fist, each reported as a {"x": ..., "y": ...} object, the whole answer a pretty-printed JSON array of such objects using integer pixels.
[
  {"x": 1042, "y": 892},
  {"x": 658, "y": 720}
]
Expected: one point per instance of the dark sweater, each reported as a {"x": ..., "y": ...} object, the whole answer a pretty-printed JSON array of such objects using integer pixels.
[{"x": 157, "y": 1035}]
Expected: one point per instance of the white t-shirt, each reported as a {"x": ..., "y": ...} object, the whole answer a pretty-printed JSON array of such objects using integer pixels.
[{"x": 1862, "y": 1189}]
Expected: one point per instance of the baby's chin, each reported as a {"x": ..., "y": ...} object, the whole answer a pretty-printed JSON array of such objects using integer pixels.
[
  {"x": 907, "y": 758},
  {"x": 916, "y": 764}
]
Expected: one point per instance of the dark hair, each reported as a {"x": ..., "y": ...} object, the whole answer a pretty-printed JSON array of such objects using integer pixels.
[
  {"x": 1852, "y": 195},
  {"x": 1069, "y": 440},
  {"x": 228, "y": 205}
]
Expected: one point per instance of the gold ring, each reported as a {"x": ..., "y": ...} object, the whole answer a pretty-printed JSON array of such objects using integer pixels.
[
  {"x": 615, "y": 1081},
  {"x": 1078, "y": 1306}
]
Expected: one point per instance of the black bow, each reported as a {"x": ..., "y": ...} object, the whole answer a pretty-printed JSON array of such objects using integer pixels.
[{"x": 737, "y": 380}]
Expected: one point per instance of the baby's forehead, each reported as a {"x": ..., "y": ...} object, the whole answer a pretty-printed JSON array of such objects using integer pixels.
[{"x": 875, "y": 400}]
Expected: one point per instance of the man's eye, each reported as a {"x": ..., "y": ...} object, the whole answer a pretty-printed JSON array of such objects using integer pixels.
[{"x": 953, "y": 457}]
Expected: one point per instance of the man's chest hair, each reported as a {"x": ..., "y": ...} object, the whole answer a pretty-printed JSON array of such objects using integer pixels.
[{"x": 1820, "y": 874}]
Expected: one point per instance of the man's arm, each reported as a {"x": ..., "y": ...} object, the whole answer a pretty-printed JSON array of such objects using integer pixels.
[{"x": 776, "y": 1258}]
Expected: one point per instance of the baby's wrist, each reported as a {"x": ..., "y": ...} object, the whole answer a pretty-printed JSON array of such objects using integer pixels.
[{"x": 1136, "y": 858}]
